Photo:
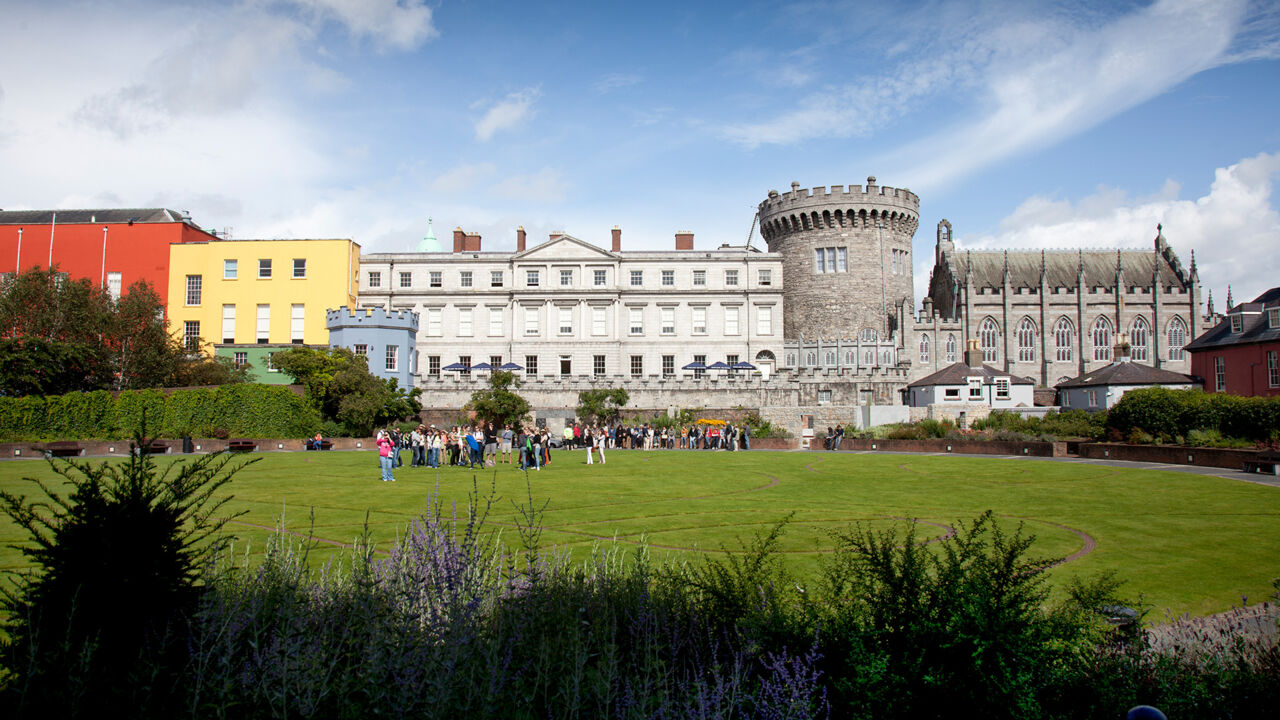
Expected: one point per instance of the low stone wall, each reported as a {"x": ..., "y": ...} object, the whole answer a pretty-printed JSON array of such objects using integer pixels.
[
  {"x": 1169, "y": 454},
  {"x": 120, "y": 448},
  {"x": 1030, "y": 448}
]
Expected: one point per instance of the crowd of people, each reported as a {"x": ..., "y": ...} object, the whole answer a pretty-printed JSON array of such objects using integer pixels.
[{"x": 529, "y": 447}]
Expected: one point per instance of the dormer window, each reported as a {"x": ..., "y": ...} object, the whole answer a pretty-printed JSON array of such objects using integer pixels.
[
  {"x": 1237, "y": 323},
  {"x": 1273, "y": 318}
]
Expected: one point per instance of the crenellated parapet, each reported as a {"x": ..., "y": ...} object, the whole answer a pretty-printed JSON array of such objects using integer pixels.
[
  {"x": 854, "y": 206},
  {"x": 346, "y": 318}
]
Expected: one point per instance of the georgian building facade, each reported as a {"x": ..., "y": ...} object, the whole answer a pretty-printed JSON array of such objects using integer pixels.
[{"x": 567, "y": 308}]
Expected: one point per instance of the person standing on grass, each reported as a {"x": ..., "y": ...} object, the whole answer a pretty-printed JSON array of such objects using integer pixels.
[
  {"x": 600, "y": 443},
  {"x": 385, "y": 448},
  {"x": 537, "y": 449},
  {"x": 507, "y": 436},
  {"x": 588, "y": 439},
  {"x": 746, "y": 437}
]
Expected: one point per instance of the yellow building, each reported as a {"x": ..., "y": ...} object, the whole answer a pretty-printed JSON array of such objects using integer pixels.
[{"x": 247, "y": 298}]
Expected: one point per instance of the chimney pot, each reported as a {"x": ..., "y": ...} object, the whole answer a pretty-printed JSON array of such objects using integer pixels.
[
  {"x": 617, "y": 239},
  {"x": 459, "y": 238},
  {"x": 520, "y": 239}
]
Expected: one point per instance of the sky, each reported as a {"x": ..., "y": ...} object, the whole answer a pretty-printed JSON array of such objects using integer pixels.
[{"x": 1025, "y": 124}]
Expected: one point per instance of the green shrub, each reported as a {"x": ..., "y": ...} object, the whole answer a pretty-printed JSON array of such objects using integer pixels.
[{"x": 1165, "y": 413}]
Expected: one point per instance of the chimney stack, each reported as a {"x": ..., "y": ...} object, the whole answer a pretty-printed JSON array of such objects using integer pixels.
[
  {"x": 684, "y": 240},
  {"x": 458, "y": 239},
  {"x": 972, "y": 355},
  {"x": 471, "y": 243},
  {"x": 617, "y": 239},
  {"x": 520, "y": 239}
]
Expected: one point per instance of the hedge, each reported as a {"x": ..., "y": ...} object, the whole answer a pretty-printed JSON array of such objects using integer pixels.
[
  {"x": 1171, "y": 413},
  {"x": 242, "y": 410}
]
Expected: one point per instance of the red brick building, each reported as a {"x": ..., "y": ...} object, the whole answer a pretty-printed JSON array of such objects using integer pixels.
[
  {"x": 114, "y": 248},
  {"x": 1241, "y": 354}
]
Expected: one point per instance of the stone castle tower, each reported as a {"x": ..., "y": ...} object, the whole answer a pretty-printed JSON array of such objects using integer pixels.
[{"x": 846, "y": 258}]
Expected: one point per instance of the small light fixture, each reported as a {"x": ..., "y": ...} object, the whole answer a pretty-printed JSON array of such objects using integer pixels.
[
  {"x": 197, "y": 447},
  {"x": 874, "y": 446},
  {"x": 948, "y": 448},
  {"x": 279, "y": 446},
  {"x": 359, "y": 444},
  {"x": 111, "y": 448},
  {"x": 17, "y": 453}
]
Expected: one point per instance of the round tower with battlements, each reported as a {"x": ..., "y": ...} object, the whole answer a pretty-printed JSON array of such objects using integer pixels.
[{"x": 846, "y": 257}]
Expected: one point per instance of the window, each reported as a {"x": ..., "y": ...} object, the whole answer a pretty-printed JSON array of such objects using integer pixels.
[
  {"x": 868, "y": 335},
  {"x": 988, "y": 340},
  {"x": 824, "y": 397},
  {"x": 299, "y": 267},
  {"x": 1101, "y": 335},
  {"x": 1219, "y": 374},
  {"x": 435, "y": 321},
  {"x": 699, "y": 321},
  {"x": 924, "y": 348},
  {"x": 361, "y": 349},
  {"x": 191, "y": 335},
  {"x": 764, "y": 321},
  {"x": 241, "y": 358},
  {"x": 820, "y": 260},
  {"x": 1273, "y": 368},
  {"x": 228, "y": 323},
  {"x": 393, "y": 353},
  {"x": 1002, "y": 388},
  {"x": 637, "y": 365},
  {"x": 637, "y": 278},
  {"x": 465, "y": 362},
  {"x": 406, "y": 279},
  {"x": 229, "y": 270},
  {"x": 464, "y": 322},
  {"x": 669, "y": 365},
  {"x": 1177, "y": 338},
  {"x": 668, "y": 320},
  {"x": 297, "y": 323},
  {"x": 495, "y": 361},
  {"x": 531, "y": 278},
  {"x": 114, "y": 284},
  {"x": 435, "y": 279},
  {"x": 566, "y": 320},
  {"x": 951, "y": 394},
  {"x": 1237, "y": 323},
  {"x": 599, "y": 321},
  {"x": 264, "y": 268},
  {"x": 599, "y": 276},
  {"x": 951, "y": 348},
  {"x": 433, "y": 365},
  {"x": 731, "y": 360},
  {"x": 830, "y": 260},
  {"x": 842, "y": 259},
  {"x": 495, "y": 278},
  {"x": 668, "y": 277},
  {"x": 566, "y": 365},
  {"x": 636, "y": 320},
  {"x": 1064, "y": 340},
  {"x": 699, "y": 359},
  {"x": 566, "y": 278},
  {"x": 530, "y": 321},
  {"x": 1092, "y": 397},
  {"x": 1026, "y": 336},
  {"x": 731, "y": 278},
  {"x": 495, "y": 322},
  {"x": 375, "y": 279},
  {"x": 1140, "y": 339},
  {"x": 464, "y": 278},
  {"x": 264, "y": 324},
  {"x": 765, "y": 276},
  {"x": 699, "y": 278},
  {"x": 530, "y": 364},
  {"x": 731, "y": 320},
  {"x": 193, "y": 289},
  {"x": 975, "y": 388},
  {"x": 1273, "y": 315}
]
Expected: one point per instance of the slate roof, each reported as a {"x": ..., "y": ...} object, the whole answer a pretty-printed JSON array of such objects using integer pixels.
[
  {"x": 1126, "y": 373},
  {"x": 1256, "y": 329},
  {"x": 986, "y": 267},
  {"x": 959, "y": 373},
  {"x": 111, "y": 215}
]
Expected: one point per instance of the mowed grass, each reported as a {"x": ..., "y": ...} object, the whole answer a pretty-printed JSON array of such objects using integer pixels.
[{"x": 1185, "y": 543}]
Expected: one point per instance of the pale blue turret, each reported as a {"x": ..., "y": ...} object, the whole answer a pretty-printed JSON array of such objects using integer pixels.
[{"x": 429, "y": 243}]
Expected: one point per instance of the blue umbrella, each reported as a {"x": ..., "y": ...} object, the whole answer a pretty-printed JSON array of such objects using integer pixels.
[
  {"x": 694, "y": 366},
  {"x": 482, "y": 366},
  {"x": 454, "y": 367},
  {"x": 717, "y": 365},
  {"x": 742, "y": 366},
  {"x": 510, "y": 366}
]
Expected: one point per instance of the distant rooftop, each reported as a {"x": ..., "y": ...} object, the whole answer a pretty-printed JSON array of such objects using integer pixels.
[{"x": 106, "y": 215}]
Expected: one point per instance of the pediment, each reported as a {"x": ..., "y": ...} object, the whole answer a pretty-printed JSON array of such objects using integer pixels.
[{"x": 565, "y": 247}]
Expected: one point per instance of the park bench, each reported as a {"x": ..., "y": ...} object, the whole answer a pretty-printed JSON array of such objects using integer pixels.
[
  {"x": 63, "y": 448},
  {"x": 242, "y": 446},
  {"x": 158, "y": 447},
  {"x": 1267, "y": 461}
]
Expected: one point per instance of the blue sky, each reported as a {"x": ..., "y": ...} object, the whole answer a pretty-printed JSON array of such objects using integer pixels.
[{"x": 1026, "y": 125}]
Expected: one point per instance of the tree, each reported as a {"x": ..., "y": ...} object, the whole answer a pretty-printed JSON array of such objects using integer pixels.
[
  {"x": 340, "y": 386},
  {"x": 36, "y": 366},
  {"x": 498, "y": 404},
  {"x": 602, "y": 405}
]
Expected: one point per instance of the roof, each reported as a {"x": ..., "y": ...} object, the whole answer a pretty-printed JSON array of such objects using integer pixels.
[
  {"x": 985, "y": 268},
  {"x": 1126, "y": 373},
  {"x": 109, "y": 215},
  {"x": 1256, "y": 329},
  {"x": 959, "y": 374}
]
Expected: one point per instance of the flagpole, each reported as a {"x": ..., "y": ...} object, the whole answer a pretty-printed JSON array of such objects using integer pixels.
[{"x": 52, "y": 228}]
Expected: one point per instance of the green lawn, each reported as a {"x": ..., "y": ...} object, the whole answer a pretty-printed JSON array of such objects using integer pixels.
[{"x": 1187, "y": 543}]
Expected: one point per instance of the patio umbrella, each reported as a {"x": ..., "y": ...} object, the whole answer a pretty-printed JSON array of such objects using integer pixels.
[
  {"x": 742, "y": 366},
  {"x": 454, "y": 367},
  {"x": 482, "y": 366},
  {"x": 510, "y": 366},
  {"x": 695, "y": 366},
  {"x": 717, "y": 365}
]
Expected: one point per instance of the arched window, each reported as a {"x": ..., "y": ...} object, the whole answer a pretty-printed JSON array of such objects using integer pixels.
[
  {"x": 1101, "y": 335},
  {"x": 813, "y": 359},
  {"x": 831, "y": 357},
  {"x": 1140, "y": 340},
  {"x": 1177, "y": 337},
  {"x": 791, "y": 360},
  {"x": 850, "y": 358},
  {"x": 951, "y": 348},
  {"x": 924, "y": 348},
  {"x": 988, "y": 340},
  {"x": 868, "y": 335},
  {"x": 886, "y": 358},
  {"x": 1064, "y": 338},
  {"x": 1026, "y": 340},
  {"x": 869, "y": 357}
]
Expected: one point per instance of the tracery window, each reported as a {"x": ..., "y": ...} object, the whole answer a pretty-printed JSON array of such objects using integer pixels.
[
  {"x": 1140, "y": 340},
  {"x": 988, "y": 340},
  {"x": 1177, "y": 338},
  {"x": 951, "y": 348},
  {"x": 924, "y": 348},
  {"x": 1026, "y": 335},
  {"x": 1064, "y": 338},
  {"x": 1101, "y": 335}
]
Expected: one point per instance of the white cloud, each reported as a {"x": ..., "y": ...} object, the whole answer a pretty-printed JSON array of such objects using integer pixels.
[
  {"x": 394, "y": 24},
  {"x": 615, "y": 81},
  {"x": 1233, "y": 229},
  {"x": 507, "y": 113},
  {"x": 545, "y": 186}
]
